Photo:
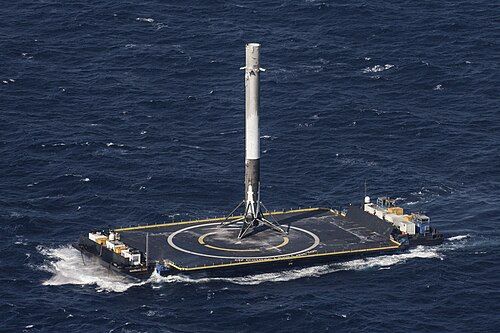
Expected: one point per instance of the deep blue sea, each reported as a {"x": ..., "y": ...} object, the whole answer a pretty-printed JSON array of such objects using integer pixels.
[{"x": 132, "y": 112}]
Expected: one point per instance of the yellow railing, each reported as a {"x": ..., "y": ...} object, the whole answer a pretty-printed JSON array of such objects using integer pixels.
[
  {"x": 213, "y": 219},
  {"x": 299, "y": 256}
]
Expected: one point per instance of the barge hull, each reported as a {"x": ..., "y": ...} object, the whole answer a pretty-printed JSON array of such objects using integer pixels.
[{"x": 315, "y": 236}]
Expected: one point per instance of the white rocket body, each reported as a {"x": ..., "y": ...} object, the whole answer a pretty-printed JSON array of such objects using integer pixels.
[
  {"x": 252, "y": 102},
  {"x": 253, "y": 215},
  {"x": 252, "y": 134}
]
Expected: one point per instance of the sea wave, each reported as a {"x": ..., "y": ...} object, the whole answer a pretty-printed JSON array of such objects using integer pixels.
[
  {"x": 377, "y": 68},
  {"x": 459, "y": 237},
  {"x": 145, "y": 19}
]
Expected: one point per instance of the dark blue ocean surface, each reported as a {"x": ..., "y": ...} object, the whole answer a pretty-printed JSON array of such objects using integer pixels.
[{"x": 118, "y": 112}]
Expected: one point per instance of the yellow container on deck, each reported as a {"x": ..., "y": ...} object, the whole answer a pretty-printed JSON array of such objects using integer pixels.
[
  {"x": 395, "y": 210},
  {"x": 101, "y": 240},
  {"x": 119, "y": 248}
]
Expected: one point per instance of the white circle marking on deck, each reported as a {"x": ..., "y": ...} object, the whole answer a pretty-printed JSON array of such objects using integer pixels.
[{"x": 172, "y": 244}]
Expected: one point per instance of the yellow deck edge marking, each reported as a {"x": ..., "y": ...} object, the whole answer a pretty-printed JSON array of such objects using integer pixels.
[
  {"x": 215, "y": 219},
  {"x": 249, "y": 262}
]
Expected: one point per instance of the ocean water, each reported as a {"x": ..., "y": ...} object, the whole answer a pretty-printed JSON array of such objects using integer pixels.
[{"x": 123, "y": 112}]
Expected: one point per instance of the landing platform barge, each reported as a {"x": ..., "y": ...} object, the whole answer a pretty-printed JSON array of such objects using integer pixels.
[
  {"x": 258, "y": 240},
  {"x": 314, "y": 236}
]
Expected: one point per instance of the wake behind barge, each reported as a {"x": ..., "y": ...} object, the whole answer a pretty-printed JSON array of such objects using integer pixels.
[{"x": 258, "y": 240}]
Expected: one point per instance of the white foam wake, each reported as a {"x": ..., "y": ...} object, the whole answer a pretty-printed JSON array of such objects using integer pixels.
[
  {"x": 382, "y": 262},
  {"x": 65, "y": 263},
  {"x": 385, "y": 261},
  {"x": 68, "y": 267}
]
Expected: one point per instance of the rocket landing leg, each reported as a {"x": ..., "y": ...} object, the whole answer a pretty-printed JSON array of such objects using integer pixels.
[
  {"x": 252, "y": 217},
  {"x": 249, "y": 222}
]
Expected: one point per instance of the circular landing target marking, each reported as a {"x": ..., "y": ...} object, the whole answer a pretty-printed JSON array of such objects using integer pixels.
[
  {"x": 194, "y": 240},
  {"x": 202, "y": 241}
]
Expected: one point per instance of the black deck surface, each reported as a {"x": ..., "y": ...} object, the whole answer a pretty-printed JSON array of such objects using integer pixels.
[{"x": 310, "y": 232}]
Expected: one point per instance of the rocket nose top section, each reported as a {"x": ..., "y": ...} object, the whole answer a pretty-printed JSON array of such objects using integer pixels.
[
  {"x": 252, "y": 55},
  {"x": 252, "y": 101}
]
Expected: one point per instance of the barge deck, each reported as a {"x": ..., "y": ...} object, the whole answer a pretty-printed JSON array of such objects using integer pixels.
[{"x": 313, "y": 234}]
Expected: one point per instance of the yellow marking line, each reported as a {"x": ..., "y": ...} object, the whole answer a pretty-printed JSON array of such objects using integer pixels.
[
  {"x": 215, "y": 219},
  {"x": 285, "y": 241},
  {"x": 201, "y": 240},
  {"x": 283, "y": 258}
]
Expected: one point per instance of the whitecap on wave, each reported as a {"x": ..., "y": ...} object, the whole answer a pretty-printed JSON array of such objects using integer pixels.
[
  {"x": 458, "y": 238},
  {"x": 377, "y": 68},
  {"x": 145, "y": 19},
  {"x": 111, "y": 144}
]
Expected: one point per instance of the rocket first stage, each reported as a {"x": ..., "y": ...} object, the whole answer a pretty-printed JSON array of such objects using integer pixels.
[{"x": 253, "y": 216}]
